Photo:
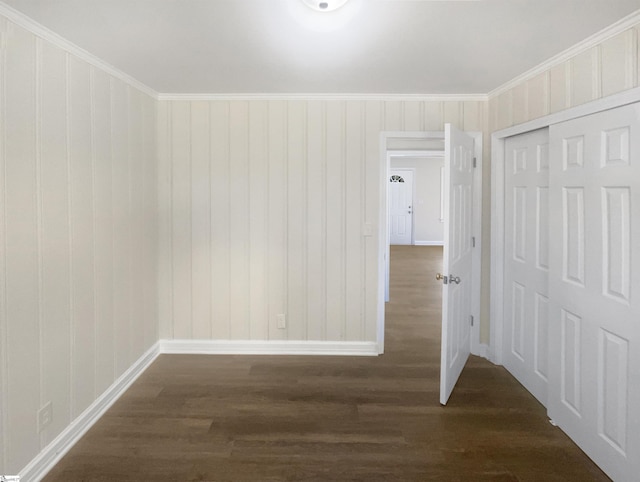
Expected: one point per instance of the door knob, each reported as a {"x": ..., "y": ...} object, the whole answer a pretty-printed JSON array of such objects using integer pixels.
[
  {"x": 439, "y": 276},
  {"x": 454, "y": 279}
]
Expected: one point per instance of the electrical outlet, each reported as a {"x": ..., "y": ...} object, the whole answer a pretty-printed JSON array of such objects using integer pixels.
[
  {"x": 45, "y": 416},
  {"x": 281, "y": 321}
]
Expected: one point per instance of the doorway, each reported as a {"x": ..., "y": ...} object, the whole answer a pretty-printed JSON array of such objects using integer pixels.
[{"x": 462, "y": 252}]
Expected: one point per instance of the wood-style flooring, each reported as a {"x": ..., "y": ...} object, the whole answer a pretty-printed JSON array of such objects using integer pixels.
[{"x": 308, "y": 418}]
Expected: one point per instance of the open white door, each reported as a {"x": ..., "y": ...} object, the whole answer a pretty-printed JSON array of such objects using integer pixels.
[{"x": 457, "y": 262}]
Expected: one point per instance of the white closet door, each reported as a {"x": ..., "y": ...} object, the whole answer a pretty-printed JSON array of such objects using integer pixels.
[
  {"x": 526, "y": 260},
  {"x": 594, "y": 286}
]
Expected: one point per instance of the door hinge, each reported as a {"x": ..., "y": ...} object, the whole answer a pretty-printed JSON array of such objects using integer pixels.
[
  {"x": 475, "y": 162},
  {"x": 473, "y": 241},
  {"x": 471, "y": 320}
]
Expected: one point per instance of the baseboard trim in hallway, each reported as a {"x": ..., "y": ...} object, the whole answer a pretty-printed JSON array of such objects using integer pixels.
[{"x": 268, "y": 347}]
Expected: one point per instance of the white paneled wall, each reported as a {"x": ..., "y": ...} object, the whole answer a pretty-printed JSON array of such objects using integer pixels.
[
  {"x": 597, "y": 71},
  {"x": 262, "y": 208},
  {"x": 78, "y": 236}
]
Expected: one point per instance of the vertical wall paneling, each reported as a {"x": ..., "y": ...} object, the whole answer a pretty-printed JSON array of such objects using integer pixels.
[
  {"x": 3, "y": 305},
  {"x": 393, "y": 115},
  {"x": 277, "y": 225},
  {"x": 291, "y": 185},
  {"x": 103, "y": 225},
  {"x": 453, "y": 114},
  {"x": 38, "y": 192},
  {"x": 120, "y": 196},
  {"x": 165, "y": 223},
  {"x": 239, "y": 219},
  {"x": 74, "y": 252},
  {"x": 181, "y": 218},
  {"x": 4, "y": 419},
  {"x": 335, "y": 211},
  {"x": 433, "y": 116},
  {"x": 82, "y": 234},
  {"x": 316, "y": 221},
  {"x": 584, "y": 77},
  {"x": 413, "y": 116},
  {"x": 520, "y": 103},
  {"x": 373, "y": 122},
  {"x": 619, "y": 63},
  {"x": 201, "y": 219},
  {"x": 21, "y": 249},
  {"x": 354, "y": 219},
  {"x": 258, "y": 220},
  {"x": 220, "y": 235},
  {"x": 296, "y": 187},
  {"x": 538, "y": 96}
]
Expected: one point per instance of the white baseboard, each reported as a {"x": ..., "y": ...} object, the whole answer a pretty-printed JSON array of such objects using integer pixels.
[
  {"x": 270, "y": 347},
  {"x": 52, "y": 453},
  {"x": 428, "y": 243}
]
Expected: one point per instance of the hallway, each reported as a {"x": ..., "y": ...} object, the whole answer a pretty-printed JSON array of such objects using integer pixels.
[{"x": 258, "y": 418}]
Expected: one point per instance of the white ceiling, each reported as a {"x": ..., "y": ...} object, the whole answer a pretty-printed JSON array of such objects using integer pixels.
[{"x": 282, "y": 46}]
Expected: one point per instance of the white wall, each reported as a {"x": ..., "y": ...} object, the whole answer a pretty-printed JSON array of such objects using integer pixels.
[
  {"x": 77, "y": 236},
  {"x": 427, "y": 226},
  {"x": 262, "y": 209}
]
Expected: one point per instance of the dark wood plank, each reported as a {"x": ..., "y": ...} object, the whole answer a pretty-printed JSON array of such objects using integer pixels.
[{"x": 253, "y": 418}]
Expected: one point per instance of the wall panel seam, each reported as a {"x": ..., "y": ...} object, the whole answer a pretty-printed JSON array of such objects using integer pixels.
[
  {"x": 305, "y": 221},
  {"x": 596, "y": 70},
  {"x": 112, "y": 213},
  {"x": 130, "y": 225},
  {"x": 4, "y": 417},
  {"x": 39, "y": 223},
  {"x": 190, "y": 210},
  {"x": 72, "y": 402},
  {"x": 92, "y": 113},
  {"x": 267, "y": 224},
  {"x": 285, "y": 209},
  {"x": 325, "y": 184},
  {"x": 568, "y": 84},
  {"x": 170, "y": 161},
  {"x": 363, "y": 213},
  {"x": 631, "y": 59},
  {"x": 344, "y": 187}
]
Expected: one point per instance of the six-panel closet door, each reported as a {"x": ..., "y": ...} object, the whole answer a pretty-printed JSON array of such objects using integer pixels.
[
  {"x": 526, "y": 262},
  {"x": 594, "y": 286}
]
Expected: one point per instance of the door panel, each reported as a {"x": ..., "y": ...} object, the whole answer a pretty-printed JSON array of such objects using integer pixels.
[
  {"x": 456, "y": 294},
  {"x": 526, "y": 260},
  {"x": 594, "y": 286},
  {"x": 401, "y": 206}
]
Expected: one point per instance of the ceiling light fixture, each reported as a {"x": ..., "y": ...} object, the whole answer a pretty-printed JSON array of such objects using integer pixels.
[{"x": 324, "y": 5}]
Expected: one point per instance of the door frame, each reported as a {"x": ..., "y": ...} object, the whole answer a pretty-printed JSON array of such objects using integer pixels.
[
  {"x": 413, "y": 188},
  {"x": 496, "y": 297},
  {"x": 383, "y": 227}
]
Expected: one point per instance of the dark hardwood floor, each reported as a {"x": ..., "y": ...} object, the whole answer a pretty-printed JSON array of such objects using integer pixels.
[{"x": 304, "y": 418}]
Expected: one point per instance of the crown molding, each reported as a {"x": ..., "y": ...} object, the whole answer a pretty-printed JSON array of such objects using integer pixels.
[
  {"x": 44, "y": 33},
  {"x": 599, "y": 37},
  {"x": 327, "y": 97}
]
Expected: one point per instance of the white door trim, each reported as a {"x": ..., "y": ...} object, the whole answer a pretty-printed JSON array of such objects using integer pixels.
[
  {"x": 383, "y": 229},
  {"x": 497, "y": 200}
]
